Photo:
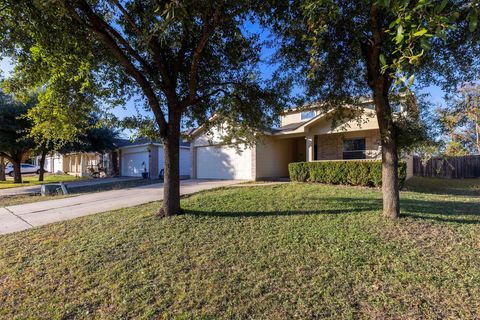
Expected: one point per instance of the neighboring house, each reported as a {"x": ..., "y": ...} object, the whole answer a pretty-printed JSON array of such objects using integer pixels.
[
  {"x": 143, "y": 152},
  {"x": 79, "y": 164},
  {"x": 303, "y": 135},
  {"x": 130, "y": 158}
]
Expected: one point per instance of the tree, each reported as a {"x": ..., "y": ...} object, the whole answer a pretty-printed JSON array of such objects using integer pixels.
[
  {"x": 2, "y": 169},
  {"x": 461, "y": 121},
  {"x": 353, "y": 49},
  {"x": 44, "y": 143},
  {"x": 14, "y": 142},
  {"x": 43, "y": 149},
  {"x": 186, "y": 59},
  {"x": 97, "y": 138},
  {"x": 455, "y": 149}
]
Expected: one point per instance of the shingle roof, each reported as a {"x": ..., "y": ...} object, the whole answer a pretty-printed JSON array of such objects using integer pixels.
[
  {"x": 289, "y": 127},
  {"x": 119, "y": 143}
]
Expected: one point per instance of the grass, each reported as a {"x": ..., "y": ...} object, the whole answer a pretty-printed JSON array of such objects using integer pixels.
[
  {"x": 469, "y": 187},
  {"x": 281, "y": 251},
  {"x": 29, "y": 180},
  {"x": 74, "y": 191},
  {"x": 8, "y": 201}
]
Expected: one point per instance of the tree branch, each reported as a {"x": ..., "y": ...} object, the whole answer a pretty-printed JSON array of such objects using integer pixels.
[
  {"x": 128, "y": 17},
  {"x": 98, "y": 26},
  {"x": 6, "y": 156},
  {"x": 169, "y": 82},
  {"x": 208, "y": 95},
  {"x": 122, "y": 41},
  {"x": 208, "y": 29}
]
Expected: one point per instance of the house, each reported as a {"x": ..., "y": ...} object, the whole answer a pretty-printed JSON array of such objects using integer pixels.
[
  {"x": 78, "y": 164},
  {"x": 129, "y": 158},
  {"x": 304, "y": 135},
  {"x": 142, "y": 153}
]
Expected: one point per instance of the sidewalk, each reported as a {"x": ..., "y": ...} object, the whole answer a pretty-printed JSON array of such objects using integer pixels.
[{"x": 25, "y": 216}]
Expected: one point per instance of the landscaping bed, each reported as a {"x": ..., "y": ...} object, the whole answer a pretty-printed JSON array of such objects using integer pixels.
[{"x": 283, "y": 251}]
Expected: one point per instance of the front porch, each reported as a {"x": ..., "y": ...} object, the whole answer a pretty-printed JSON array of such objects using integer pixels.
[
  {"x": 275, "y": 153},
  {"x": 357, "y": 145},
  {"x": 84, "y": 164}
]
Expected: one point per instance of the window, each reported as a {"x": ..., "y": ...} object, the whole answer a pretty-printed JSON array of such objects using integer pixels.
[
  {"x": 305, "y": 115},
  {"x": 354, "y": 149}
]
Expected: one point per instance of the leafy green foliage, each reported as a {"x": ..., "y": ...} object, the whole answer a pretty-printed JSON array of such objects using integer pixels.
[
  {"x": 191, "y": 56},
  {"x": 455, "y": 149},
  {"x": 355, "y": 173},
  {"x": 460, "y": 121},
  {"x": 14, "y": 128},
  {"x": 98, "y": 137},
  {"x": 53, "y": 62},
  {"x": 324, "y": 45}
]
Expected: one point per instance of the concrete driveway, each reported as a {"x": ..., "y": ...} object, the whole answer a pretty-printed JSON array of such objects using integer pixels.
[{"x": 26, "y": 216}]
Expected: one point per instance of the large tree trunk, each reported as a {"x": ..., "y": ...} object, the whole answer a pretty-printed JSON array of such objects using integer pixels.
[
  {"x": 42, "y": 165},
  {"x": 2, "y": 169},
  {"x": 390, "y": 189},
  {"x": 380, "y": 82},
  {"x": 17, "y": 174},
  {"x": 171, "y": 185},
  {"x": 477, "y": 131}
]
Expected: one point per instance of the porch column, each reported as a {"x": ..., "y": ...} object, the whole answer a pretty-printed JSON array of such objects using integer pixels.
[
  {"x": 309, "y": 142},
  {"x": 83, "y": 165}
]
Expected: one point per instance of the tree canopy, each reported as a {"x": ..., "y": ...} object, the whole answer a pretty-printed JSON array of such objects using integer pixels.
[
  {"x": 460, "y": 121},
  {"x": 98, "y": 137},
  {"x": 186, "y": 60},
  {"x": 330, "y": 41}
]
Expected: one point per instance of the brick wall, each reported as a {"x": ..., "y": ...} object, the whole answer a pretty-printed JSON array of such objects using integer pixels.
[{"x": 330, "y": 146}]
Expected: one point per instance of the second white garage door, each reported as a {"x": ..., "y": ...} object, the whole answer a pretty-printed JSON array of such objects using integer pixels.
[
  {"x": 220, "y": 162},
  {"x": 132, "y": 163}
]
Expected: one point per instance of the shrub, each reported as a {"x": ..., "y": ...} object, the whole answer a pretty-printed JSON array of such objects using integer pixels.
[{"x": 355, "y": 173}]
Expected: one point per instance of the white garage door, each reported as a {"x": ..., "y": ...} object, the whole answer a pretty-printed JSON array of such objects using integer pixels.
[
  {"x": 48, "y": 164},
  {"x": 185, "y": 161},
  {"x": 132, "y": 163},
  {"x": 216, "y": 162},
  {"x": 57, "y": 165}
]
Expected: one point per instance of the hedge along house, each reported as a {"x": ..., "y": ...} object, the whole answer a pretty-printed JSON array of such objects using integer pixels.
[{"x": 304, "y": 135}]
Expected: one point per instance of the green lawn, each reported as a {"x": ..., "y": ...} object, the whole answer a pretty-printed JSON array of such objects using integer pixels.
[
  {"x": 74, "y": 191},
  {"x": 28, "y": 180},
  {"x": 469, "y": 187},
  {"x": 284, "y": 251}
]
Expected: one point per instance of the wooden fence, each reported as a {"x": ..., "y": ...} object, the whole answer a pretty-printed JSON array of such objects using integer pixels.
[{"x": 448, "y": 167}]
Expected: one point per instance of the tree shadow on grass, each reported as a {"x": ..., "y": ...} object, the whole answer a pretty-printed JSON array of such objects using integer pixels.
[
  {"x": 442, "y": 211},
  {"x": 457, "y": 187},
  {"x": 246, "y": 214}
]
